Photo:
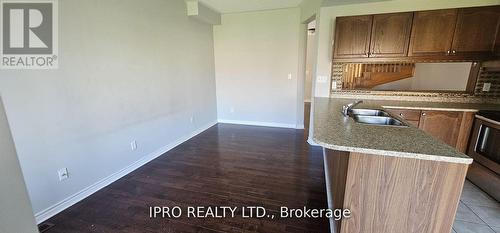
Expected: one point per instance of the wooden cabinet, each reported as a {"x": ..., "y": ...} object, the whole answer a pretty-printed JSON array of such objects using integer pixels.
[
  {"x": 453, "y": 128},
  {"x": 352, "y": 36},
  {"x": 390, "y": 35},
  {"x": 466, "y": 34},
  {"x": 444, "y": 126},
  {"x": 384, "y": 35},
  {"x": 411, "y": 116},
  {"x": 432, "y": 33},
  {"x": 476, "y": 31}
]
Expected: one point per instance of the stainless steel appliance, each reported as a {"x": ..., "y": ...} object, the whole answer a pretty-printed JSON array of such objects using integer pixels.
[{"x": 484, "y": 148}]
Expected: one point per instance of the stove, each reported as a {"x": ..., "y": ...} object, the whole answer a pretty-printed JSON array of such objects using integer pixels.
[
  {"x": 484, "y": 148},
  {"x": 492, "y": 115}
]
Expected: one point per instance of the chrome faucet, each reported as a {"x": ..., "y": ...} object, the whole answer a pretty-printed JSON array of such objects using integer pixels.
[{"x": 347, "y": 108}]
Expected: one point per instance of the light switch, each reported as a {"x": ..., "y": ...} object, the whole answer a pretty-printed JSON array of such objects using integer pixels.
[
  {"x": 63, "y": 174},
  {"x": 289, "y": 76},
  {"x": 322, "y": 79},
  {"x": 486, "y": 87},
  {"x": 133, "y": 145}
]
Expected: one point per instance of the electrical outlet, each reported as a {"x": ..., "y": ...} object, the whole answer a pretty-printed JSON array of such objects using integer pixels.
[
  {"x": 133, "y": 145},
  {"x": 334, "y": 85},
  {"x": 191, "y": 119},
  {"x": 231, "y": 110},
  {"x": 63, "y": 174},
  {"x": 289, "y": 76},
  {"x": 486, "y": 87}
]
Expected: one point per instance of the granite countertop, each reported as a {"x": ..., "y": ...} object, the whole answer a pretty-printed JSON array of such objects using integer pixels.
[{"x": 334, "y": 131}]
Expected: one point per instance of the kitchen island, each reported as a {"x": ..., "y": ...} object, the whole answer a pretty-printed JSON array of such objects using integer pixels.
[{"x": 392, "y": 179}]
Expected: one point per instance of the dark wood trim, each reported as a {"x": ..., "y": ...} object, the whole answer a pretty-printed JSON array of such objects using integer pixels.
[{"x": 473, "y": 76}]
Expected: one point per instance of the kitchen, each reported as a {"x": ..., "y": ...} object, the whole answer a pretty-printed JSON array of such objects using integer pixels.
[
  {"x": 396, "y": 130},
  {"x": 345, "y": 116}
]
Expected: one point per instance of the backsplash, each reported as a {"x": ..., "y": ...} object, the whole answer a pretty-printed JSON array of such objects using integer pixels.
[{"x": 488, "y": 74}]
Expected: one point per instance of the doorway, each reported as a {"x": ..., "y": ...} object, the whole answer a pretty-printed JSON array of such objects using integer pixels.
[{"x": 309, "y": 73}]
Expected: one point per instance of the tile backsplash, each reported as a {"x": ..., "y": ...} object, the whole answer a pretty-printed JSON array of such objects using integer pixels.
[{"x": 489, "y": 73}]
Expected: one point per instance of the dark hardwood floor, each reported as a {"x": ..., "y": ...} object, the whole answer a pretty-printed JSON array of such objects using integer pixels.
[{"x": 227, "y": 165}]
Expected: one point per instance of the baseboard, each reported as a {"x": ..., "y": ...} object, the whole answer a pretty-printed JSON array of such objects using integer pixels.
[
  {"x": 68, "y": 202},
  {"x": 311, "y": 142},
  {"x": 259, "y": 123}
]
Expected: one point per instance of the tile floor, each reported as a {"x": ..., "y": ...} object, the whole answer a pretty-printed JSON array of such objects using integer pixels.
[{"x": 477, "y": 212}]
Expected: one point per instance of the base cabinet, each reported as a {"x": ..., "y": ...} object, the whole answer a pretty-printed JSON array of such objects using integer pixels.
[
  {"x": 451, "y": 127},
  {"x": 392, "y": 194}
]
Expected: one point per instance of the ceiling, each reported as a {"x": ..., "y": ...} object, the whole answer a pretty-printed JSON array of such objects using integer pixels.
[{"x": 232, "y": 6}]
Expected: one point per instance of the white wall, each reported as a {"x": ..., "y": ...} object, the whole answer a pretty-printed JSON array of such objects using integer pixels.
[
  {"x": 441, "y": 76},
  {"x": 16, "y": 214},
  {"x": 309, "y": 8},
  {"x": 128, "y": 70},
  {"x": 327, "y": 17},
  {"x": 434, "y": 76},
  {"x": 254, "y": 53}
]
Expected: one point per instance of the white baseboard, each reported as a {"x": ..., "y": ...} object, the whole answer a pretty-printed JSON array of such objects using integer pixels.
[
  {"x": 259, "y": 123},
  {"x": 311, "y": 142},
  {"x": 75, "y": 198}
]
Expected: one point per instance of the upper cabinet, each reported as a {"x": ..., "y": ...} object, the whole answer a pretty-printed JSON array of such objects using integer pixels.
[
  {"x": 384, "y": 35},
  {"x": 452, "y": 34},
  {"x": 353, "y": 36},
  {"x": 390, "y": 35},
  {"x": 476, "y": 31},
  {"x": 432, "y": 33}
]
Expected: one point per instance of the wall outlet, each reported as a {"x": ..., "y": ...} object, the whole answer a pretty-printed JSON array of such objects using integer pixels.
[
  {"x": 191, "y": 119},
  {"x": 322, "y": 79},
  {"x": 486, "y": 87},
  {"x": 334, "y": 85},
  {"x": 289, "y": 76},
  {"x": 231, "y": 110},
  {"x": 63, "y": 174},
  {"x": 133, "y": 145}
]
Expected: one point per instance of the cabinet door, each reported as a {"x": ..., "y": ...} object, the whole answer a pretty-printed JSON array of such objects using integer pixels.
[
  {"x": 476, "y": 31},
  {"x": 391, "y": 35},
  {"x": 409, "y": 115},
  {"x": 352, "y": 36},
  {"x": 442, "y": 125},
  {"x": 432, "y": 33}
]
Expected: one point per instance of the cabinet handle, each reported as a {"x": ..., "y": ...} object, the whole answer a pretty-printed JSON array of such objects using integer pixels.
[
  {"x": 401, "y": 114},
  {"x": 454, "y": 52},
  {"x": 448, "y": 52},
  {"x": 424, "y": 114}
]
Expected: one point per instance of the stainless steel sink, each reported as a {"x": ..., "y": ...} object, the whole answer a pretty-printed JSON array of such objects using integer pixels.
[
  {"x": 378, "y": 120},
  {"x": 368, "y": 112}
]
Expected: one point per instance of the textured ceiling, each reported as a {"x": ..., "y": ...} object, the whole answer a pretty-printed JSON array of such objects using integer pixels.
[{"x": 231, "y": 6}]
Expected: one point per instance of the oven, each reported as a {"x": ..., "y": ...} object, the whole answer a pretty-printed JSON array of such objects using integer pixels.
[{"x": 484, "y": 148}]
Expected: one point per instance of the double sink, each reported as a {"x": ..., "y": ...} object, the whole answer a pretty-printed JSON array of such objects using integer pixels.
[{"x": 374, "y": 117}]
